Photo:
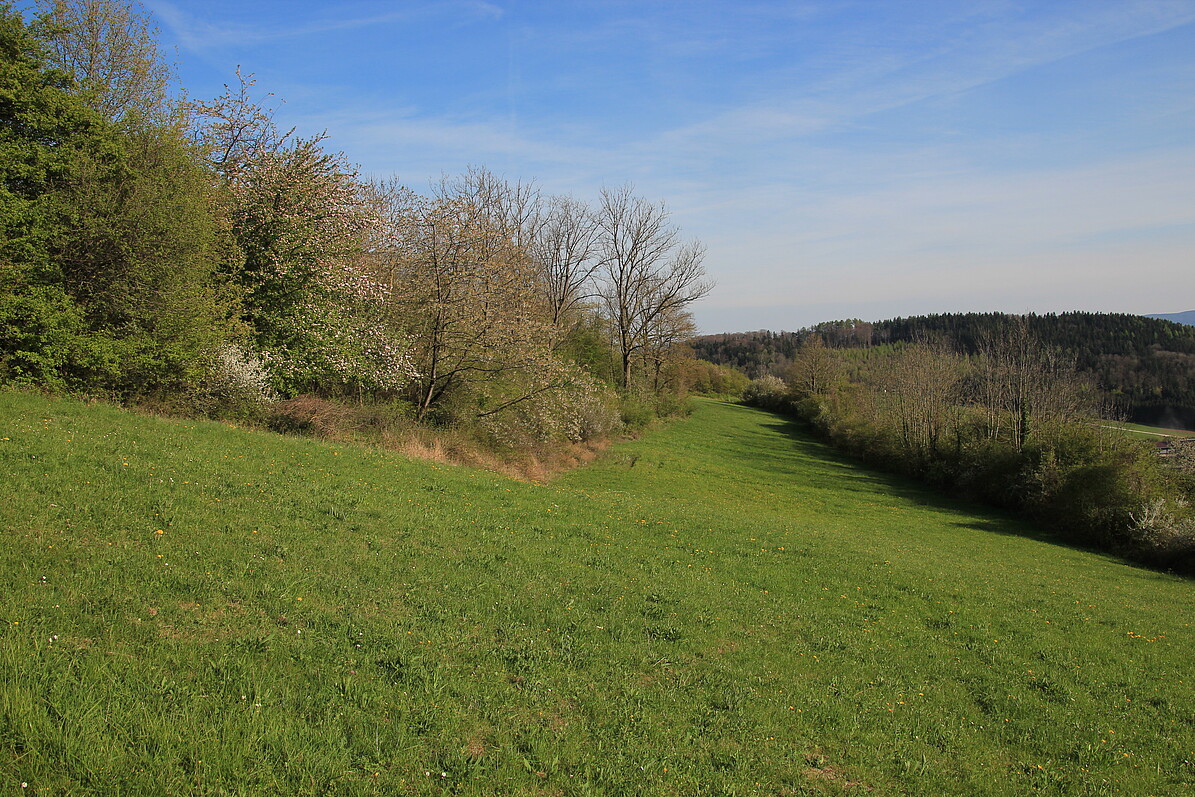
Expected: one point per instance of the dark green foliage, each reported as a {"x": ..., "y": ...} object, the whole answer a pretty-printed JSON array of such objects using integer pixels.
[
  {"x": 753, "y": 353},
  {"x": 40, "y": 329},
  {"x": 142, "y": 257},
  {"x": 42, "y": 128},
  {"x": 109, "y": 241}
]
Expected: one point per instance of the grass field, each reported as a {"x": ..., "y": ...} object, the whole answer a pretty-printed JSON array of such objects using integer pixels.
[
  {"x": 720, "y": 608},
  {"x": 1154, "y": 432}
]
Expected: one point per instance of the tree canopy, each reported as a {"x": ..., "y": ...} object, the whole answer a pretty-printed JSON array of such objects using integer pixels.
[{"x": 197, "y": 252}]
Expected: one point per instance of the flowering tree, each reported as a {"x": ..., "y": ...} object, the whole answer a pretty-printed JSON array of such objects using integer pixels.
[{"x": 303, "y": 221}]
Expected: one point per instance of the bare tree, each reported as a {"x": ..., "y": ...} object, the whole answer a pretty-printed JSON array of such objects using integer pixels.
[
  {"x": 646, "y": 272},
  {"x": 564, "y": 250},
  {"x": 923, "y": 381},
  {"x": 814, "y": 369},
  {"x": 1022, "y": 383},
  {"x": 512, "y": 210},
  {"x": 110, "y": 48}
]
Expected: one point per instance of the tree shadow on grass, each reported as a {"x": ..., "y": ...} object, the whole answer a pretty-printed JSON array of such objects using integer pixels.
[
  {"x": 840, "y": 470},
  {"x": 998, "y": 522}
]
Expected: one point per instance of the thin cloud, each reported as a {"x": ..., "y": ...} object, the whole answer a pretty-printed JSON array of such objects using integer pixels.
[{"x": 197, "y": 34}]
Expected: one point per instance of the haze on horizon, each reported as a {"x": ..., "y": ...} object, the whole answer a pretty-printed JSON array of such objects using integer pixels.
[{"x": 840, "y": 159}]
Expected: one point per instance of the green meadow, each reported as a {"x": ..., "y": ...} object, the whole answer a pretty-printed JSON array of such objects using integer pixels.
[
  {"x": 1153, "y": 431},
  {"x": 722, "y": 607}
]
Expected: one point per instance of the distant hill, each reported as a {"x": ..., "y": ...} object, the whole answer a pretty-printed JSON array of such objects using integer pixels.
[
  {"x": 1147, "y": 364},
  {"x": 1187, "y": 317}
]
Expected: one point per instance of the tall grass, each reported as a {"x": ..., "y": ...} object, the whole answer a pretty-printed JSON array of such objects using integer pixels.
[{"x": 722, "y": 607}]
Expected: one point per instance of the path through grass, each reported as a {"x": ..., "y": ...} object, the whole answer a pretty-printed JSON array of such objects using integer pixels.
[{"x": 723, "y": 607}]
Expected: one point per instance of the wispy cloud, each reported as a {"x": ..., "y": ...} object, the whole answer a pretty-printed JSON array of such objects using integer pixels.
[
  {"x": 197, "y": 34},
  {"x": 882, "y": 150}
]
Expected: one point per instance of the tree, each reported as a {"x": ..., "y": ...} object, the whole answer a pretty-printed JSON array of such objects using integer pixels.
[
  {"x": 111, "y": 237},
  {"x": 646, "y": 272},
  {"x": 564, "y": 250},
  {"x": 45, "y": 131},
  {"x": 923, "y": 381},
  {"x": 302, "y": 221},
  {"x": 143, "y": 260},
  {"x": 512, "y": 210},
  {"x": 814, "y": 369},
  {"x": 1022, "y": 382},
  {"x": 663, "y": 347},
  {"x": 43, "y": 126},
  {"x": 110, "y": 49},
  {"x": 466, "y": 294}
]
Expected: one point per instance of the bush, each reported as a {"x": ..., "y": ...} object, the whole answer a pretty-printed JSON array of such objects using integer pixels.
[
  {"x": 310, "y": 415},
  {"x": 1164, "y": 530},
  {"x": 768, "y": 392},
  {"x": 237, "y": 385},
  {"x": 40, "y": 330},
  {"x": 636, "y": 412}
]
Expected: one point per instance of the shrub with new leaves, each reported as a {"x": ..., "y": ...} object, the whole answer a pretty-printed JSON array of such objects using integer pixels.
[
  {"x": 769, "y": 392},
  {"x": 556, "y": 402}
]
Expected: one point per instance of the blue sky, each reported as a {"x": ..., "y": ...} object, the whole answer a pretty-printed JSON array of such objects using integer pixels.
[{"x": 839, "y": 159}]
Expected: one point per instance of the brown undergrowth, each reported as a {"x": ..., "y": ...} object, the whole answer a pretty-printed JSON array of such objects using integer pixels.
[{"x": 390, "y": 429}]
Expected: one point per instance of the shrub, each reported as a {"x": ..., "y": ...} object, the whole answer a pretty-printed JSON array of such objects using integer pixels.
[
  {"x": 237, "y": 384},
  {"x": 310, "y": 415},
  {"x": 40, "y": 328},
  {"x": 768, "y": 392},
  {"x": 1165, "y": 531}
]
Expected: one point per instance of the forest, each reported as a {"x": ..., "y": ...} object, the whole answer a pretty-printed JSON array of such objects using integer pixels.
[
  {"x": 1145, "y": 367},
  {"x": 194, "y": 256}
]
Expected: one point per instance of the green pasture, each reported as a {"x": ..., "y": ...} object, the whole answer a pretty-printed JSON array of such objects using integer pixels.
[
  {"x": 720, "y": 608},
  {"x": 1150, "y": 432}
]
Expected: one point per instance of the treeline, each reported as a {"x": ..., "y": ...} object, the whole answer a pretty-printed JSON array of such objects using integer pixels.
[
  {"x": 1145, "y": 366},
  {"x": 197, "y": 255},
  {"x": 1011, "y": 425}
]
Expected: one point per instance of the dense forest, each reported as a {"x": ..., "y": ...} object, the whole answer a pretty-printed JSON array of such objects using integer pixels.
[
  {"x": 1145, "y": 366},
  {"x": 195, "y": 255}
]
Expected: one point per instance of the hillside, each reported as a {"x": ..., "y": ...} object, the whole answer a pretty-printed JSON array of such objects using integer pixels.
[
  {"x": 1145, "y": 364},
  {"x": 720, "y": 607},
  {"x": 1186, "y": 317}
]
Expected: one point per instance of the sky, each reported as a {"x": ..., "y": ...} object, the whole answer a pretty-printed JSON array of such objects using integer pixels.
[{"x": 842, "y": 159}]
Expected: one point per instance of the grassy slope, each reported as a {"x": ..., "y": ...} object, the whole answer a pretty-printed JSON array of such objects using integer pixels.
[
  {"x": 1154, "y": 432},
  {"x": 719, "y": 608}
]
